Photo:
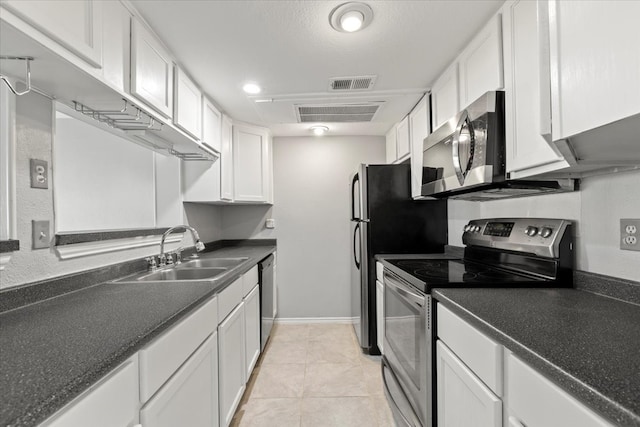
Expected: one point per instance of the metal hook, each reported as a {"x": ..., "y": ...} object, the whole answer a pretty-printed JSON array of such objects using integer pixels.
[{"x": 28, "y": 60}]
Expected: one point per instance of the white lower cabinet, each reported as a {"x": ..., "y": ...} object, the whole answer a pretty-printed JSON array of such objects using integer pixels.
[
  {"x": 189, "y": 398},
  {"x": 113, "y": 401},
  {"x": 252, "y": 329},
  {"x": 534, "y": 401},
  {"x": 231, "y": 359},
  {"x": 463, "y": 400}
]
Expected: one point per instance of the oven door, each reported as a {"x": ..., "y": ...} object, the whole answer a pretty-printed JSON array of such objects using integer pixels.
[{"x": 407, "y": 344}]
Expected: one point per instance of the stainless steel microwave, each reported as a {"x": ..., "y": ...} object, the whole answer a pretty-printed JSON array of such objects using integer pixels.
[{"x": 467, "y": 152}]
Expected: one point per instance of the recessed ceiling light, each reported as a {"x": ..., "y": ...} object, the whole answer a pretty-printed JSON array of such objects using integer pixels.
[
  {"x": 252, "y": 88},
  {"x": 319, "y": 130},
  {"x": 351, "y": 17}
]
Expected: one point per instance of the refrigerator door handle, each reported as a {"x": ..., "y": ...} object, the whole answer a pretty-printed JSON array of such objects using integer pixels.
[
  {"x": 356, "y": 243},
  {"x": 356, "y": 178}
]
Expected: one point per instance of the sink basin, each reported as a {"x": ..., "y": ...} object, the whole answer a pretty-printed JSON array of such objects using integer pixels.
[
  {"x": 183, "y": 274},
  {"x": 212, "y": 263}
]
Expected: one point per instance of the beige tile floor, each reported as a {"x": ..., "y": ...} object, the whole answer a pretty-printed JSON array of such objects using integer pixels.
[{"x": 314, "y": 376}]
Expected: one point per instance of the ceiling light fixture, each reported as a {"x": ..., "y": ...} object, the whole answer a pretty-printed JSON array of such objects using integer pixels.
[
  {"x": 351, "y": 17},
  {"x": 251, "y": 88},
  {"x": 319, "y": 130}
]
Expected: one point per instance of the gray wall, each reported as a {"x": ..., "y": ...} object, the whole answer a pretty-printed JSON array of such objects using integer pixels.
[
  {"x": 312, "y": 178},
  {"x": 596, "y": 208}
]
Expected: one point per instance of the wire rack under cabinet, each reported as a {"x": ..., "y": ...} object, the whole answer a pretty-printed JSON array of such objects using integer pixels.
[{"x": 130, "y": 117}]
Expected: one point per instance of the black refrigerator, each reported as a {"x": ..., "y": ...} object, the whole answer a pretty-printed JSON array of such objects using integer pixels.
[{"x": 386, "y": 220}]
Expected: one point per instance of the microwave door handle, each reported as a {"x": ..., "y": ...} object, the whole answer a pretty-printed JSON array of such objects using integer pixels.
[
  {"x": 455, "y": 147},
  {"x": 356, "y": 178}
]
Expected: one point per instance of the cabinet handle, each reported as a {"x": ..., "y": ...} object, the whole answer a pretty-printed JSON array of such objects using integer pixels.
[{"x": 514, "y": 422}]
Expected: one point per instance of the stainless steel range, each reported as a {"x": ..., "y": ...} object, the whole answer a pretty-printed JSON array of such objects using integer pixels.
[{"x": 503, "y": 252}]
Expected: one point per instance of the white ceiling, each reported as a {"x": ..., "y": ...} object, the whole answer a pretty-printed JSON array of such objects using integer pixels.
[{"x": 289, "y": 48}]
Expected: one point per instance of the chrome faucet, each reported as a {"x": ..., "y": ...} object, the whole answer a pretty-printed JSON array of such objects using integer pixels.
[{"x": 198, "y": 243}]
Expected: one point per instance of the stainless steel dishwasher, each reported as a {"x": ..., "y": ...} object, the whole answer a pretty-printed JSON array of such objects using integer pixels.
[{"x": 265, "y": 274}]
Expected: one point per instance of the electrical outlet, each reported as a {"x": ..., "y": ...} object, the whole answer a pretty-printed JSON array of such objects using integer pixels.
[
  {"x": 39, "y": 173},
  {"x": 629, "y": 234}
]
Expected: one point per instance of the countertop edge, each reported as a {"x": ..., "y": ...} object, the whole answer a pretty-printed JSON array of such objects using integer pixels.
[{"x": 581, "y": 391}]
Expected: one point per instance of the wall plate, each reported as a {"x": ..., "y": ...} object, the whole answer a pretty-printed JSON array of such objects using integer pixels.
[
  {"x": 630, "y": 234},
  {"x": 41, "y": 235},
  {"x": 39, "y": 173}
]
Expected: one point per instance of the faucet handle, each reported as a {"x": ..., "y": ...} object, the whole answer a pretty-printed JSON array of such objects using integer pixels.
[
  {"x": 199, "y": 246},
  {"x": 151, "y": 261},
  {"x": 169, "y": 258},
  {"x": 179, "y": 255}
]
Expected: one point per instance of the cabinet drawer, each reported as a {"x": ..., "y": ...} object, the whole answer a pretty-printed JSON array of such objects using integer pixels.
[
  {"x": 249, "y": 280},
  {"x": 160, "y": 359},
  {"x": 534, "y": 401},
  {"x": 113, "y": 401},
  {"x": 379, "y": 271},
  {"x": 481, "y": 354},
  {"x": 229, "y": 298}
]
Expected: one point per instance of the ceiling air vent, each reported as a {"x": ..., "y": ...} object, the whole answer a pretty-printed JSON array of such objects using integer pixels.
[
  {"x": 351, "y": 83},
  {"x": 337, "y": 113}
]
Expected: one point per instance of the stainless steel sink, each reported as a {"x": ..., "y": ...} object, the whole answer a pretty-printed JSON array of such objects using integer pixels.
[
  {"x": 212, "y": 263},
  {"x": 183, "y": 274}
]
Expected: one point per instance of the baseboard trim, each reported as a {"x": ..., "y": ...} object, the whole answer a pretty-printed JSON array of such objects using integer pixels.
[{"x": 310, "y": 320}]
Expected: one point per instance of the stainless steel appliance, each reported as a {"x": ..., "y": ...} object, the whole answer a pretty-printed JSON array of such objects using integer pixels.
[
  {"x": 467, "y": 154},
  {"x": 506, "y": 252},
  {"x": 265, "y": 280},
  {"x": 384, "y": 220}
]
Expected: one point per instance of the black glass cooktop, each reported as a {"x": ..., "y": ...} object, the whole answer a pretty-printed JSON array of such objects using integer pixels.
[{"x": 433, "y": 273}]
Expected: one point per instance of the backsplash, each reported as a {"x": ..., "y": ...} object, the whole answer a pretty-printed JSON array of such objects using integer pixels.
[{"x": 596, "y": 208}]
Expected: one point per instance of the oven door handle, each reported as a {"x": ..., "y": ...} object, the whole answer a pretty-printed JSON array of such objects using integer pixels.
[
  {"x": 408, "y": 423},
  {"x": 414, "y": 297}
]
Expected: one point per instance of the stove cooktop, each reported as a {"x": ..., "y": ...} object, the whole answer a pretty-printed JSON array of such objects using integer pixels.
[{"x": 433, "y": 273}]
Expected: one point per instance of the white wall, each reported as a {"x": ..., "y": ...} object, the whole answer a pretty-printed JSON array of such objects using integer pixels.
[
  {"x": 312, "y": 177},
  {"x": 596, "y": 209}
]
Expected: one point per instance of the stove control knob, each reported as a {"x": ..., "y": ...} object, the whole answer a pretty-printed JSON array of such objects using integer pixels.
[
  {"x": 467, "y": 228},
  {"x": 531, "y": 231},
  {"x": 546, "y": 232},
  {"x": 477, "y": 228}
]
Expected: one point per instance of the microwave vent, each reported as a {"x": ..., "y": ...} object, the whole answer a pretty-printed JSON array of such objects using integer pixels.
[
  {"x": 338, "y": 113},
  {"x": 352, "y": 83}
]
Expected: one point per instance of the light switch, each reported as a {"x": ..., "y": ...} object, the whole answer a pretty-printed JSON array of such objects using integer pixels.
[
  {"x": 39, "y": 173},
  {"x": 40, "y": 234}
]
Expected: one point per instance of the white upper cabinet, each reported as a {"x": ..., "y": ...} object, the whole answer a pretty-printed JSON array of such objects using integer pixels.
[
  {"x": 419, "y": 129},
  {"x": 211, "y": 125},
  {"x": 187, "y": 111},
  {"x": 526, "y": 61},
  {"x": 151, "y": 70},
  {"x": 481, "y": 63},
  {"x": 75, "y": 24},
  {"x": 403, "y": 142},
  {"x": 595, "y": 64},
  {"x": 445, "y": 96},
  {"x": 226, "y": 159},
  {"x": 251, "y": 169},
  {"x": 391, "y": 145},
  {"x": 116, "y": 44}
]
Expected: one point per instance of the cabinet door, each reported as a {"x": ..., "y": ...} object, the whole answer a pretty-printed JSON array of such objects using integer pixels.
[
  {"x": 252, "y": 329},
  {"x": 380, "y": 314},
  {"x": 151, "y": 70},
  {"x": 534, "y": 401},
  {"x": 189, "y": 398},
  {"x": 250, "y": 164},
  {"x": 594, "y": 64},
  {"x": 116, "y": 44},
  {"x": 525, "y": 146},
  {"x": 113, "y": 401},
  {"x": 481, "y": 63},
  {"x": 391, "y": 146},
  {"x": 463, "y": 400},
  {"x": 226, "y": 160},
  {"x": 187, "y": 114},
  {"x": 403, "y": 142},
  {"x": 419, "y": 128},
  {"x": 445, "y": 97},
  {"x": 231, "y": 360},
  {"x": 76, "y": 25},
  {"x": 211, "y": 125}
]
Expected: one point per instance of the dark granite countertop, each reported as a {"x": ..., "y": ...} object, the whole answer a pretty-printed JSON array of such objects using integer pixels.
[
  {"x": 587, "y": 344},
  {"x": 53, "y": 350}
]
